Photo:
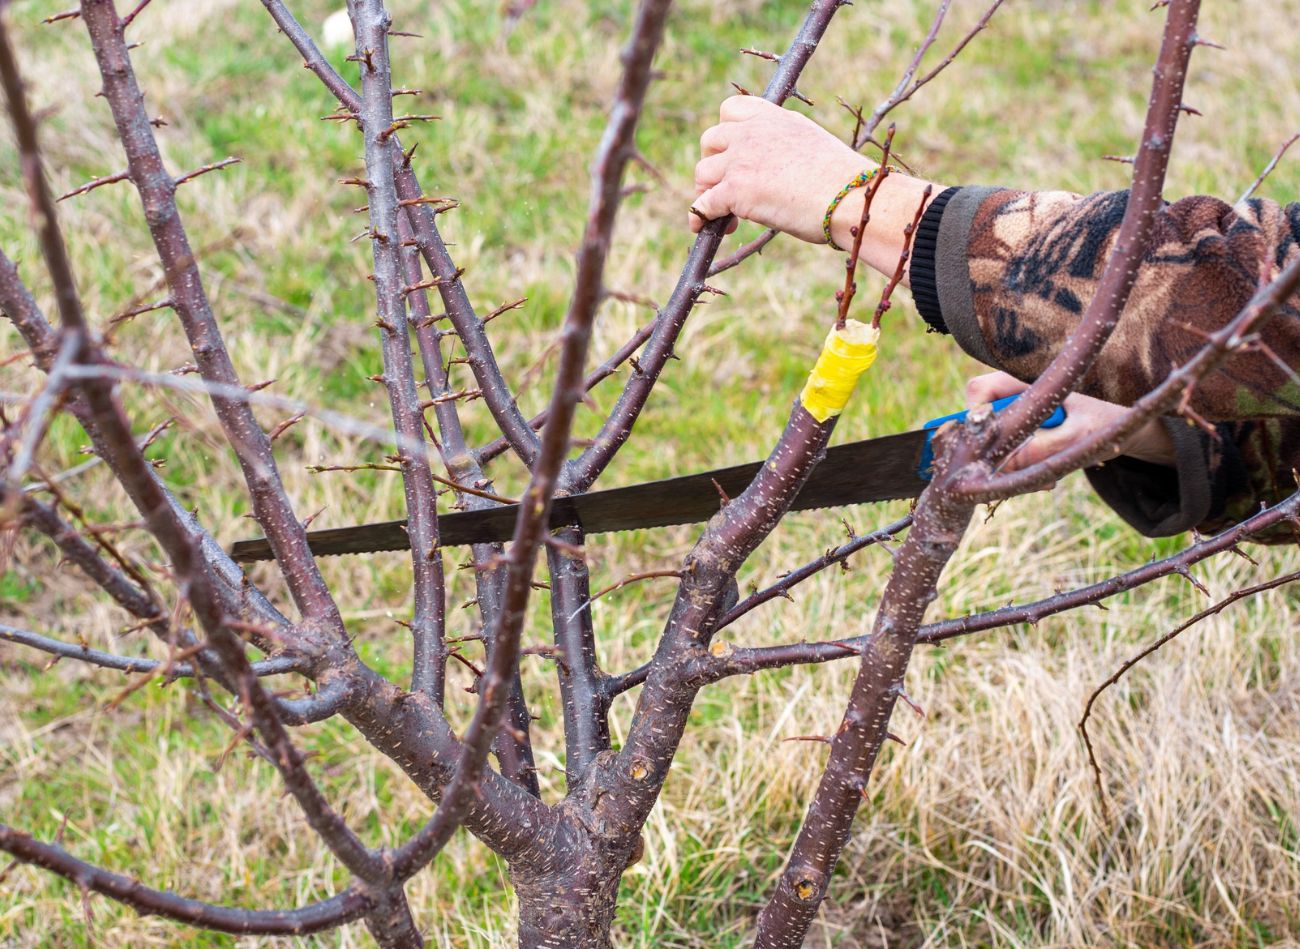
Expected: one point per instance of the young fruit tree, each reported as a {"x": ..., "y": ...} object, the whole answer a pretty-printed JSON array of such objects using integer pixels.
[{"x": 225, "y": 631}]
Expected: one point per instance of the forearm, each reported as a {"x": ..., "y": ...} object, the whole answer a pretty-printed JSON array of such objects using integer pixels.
[{"x": 1013, "y": 272}]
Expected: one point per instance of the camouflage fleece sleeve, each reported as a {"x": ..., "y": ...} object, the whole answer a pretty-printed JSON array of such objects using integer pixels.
[{"x": 1008, "y": 274}]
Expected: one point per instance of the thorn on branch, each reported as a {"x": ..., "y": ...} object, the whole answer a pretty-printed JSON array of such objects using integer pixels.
[
  {"x": 549, "y": 651},
  {"x": 504, "y": 308},
  {"x": 1122, "y": 159},
  {"x": 761, "y": 54},
  {"x": 433, "y": 282},
  {"x": 366, "y": 57},
  {"x": 319, "y": 469},
  {"x": 907, "y": 700},
  {"x": 741, "y": 89},
  {"x": 455, "y": 654},
  {"x": 1186, "y": 574},
  {"x": 65, "y": 15},
  {"x": 446, "y": 204},
  {"x": 342, "y": 114},
  {"x": 96, "y": 183},
  {"x": 1195, "y": 418},
  {"x": 127, "y": 20},
  {"x": 722, "y": 494},
  {"x": 625, "y": 297},
  {"x": 215, "y": 166},
  {"x": 126, "y": 315},
  {"x": 284, "y": 426},
  {"x": 1243, "y": 555},
  {"x": 469, "y": 395},
  {"x": 796, "y": 94}
]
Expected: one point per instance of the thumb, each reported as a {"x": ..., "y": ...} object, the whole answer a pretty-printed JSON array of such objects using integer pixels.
[{"x": 992, "y": 386}]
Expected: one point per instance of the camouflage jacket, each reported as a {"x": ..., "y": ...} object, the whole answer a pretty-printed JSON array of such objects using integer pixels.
[{"x": 1009, "y": 273}]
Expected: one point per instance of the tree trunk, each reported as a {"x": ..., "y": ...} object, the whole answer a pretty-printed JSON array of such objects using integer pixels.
[
  {"x": 570, "y": 908},
  {"x": 568, "y": 901}
]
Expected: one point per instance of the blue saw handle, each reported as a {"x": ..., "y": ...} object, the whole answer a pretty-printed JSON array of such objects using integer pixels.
[{"x": 925, "y": 470}]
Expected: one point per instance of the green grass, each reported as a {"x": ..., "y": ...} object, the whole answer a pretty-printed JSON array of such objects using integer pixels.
[{"x": 985, "y": 830}]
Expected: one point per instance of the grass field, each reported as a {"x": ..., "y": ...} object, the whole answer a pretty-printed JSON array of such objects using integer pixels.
[{"x": 985, "y": 830}]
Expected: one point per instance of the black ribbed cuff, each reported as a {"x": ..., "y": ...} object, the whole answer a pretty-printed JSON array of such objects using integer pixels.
[{"x": 923, "y": 274}]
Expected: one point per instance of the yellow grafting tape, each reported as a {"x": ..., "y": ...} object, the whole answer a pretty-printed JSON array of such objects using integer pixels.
[{"x": 847, "y": 354}]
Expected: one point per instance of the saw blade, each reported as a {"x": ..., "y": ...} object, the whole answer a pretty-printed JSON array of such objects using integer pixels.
[{"x": 876, "y": 469}]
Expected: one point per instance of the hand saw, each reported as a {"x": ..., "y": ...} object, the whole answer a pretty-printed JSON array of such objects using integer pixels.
[{"x": 876, "y": 469}]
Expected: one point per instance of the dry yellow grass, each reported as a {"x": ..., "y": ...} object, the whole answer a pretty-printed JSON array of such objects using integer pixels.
[{"x": 985, "y": 830}]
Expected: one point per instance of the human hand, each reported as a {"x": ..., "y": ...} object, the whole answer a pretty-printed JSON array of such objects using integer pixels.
[
  {"x": 772, "y": 166},
  {"x": 1084, "y": 416}
]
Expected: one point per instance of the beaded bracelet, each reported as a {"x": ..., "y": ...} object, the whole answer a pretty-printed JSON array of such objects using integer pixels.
[{"x": 858, "y": 181}]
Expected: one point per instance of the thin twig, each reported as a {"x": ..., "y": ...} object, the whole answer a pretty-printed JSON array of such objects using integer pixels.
[
  {"x": 1268, "y": 169},
  {"x": 1129, "y": 664}
]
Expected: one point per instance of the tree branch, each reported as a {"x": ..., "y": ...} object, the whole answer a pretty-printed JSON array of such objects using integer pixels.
[
  {"x": 469, "y": 327},
  {"x": 631, "y": 785},
  {"x": 1103, "y": 443},
  {"x": 530, "y": 528},
  {"x": 836, "y": 555},
  {"x": 584, "y": 471},
  {"x": 1019, "y": 420},
  {"x": 163, "y": 523},
  {"x": 318, "y": 917},
  {"x": 1268, "y": 169},
  {"x": 513, "y": 745},
  {"x": 1217, "y": 608},
  {"x": 908, "y": 86},
  {"x": 370, "y": 26},
  {"x": 106, "y": 660},
  {"x": 157, "y": 192},
  {"x": 596, "y": 376}
]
